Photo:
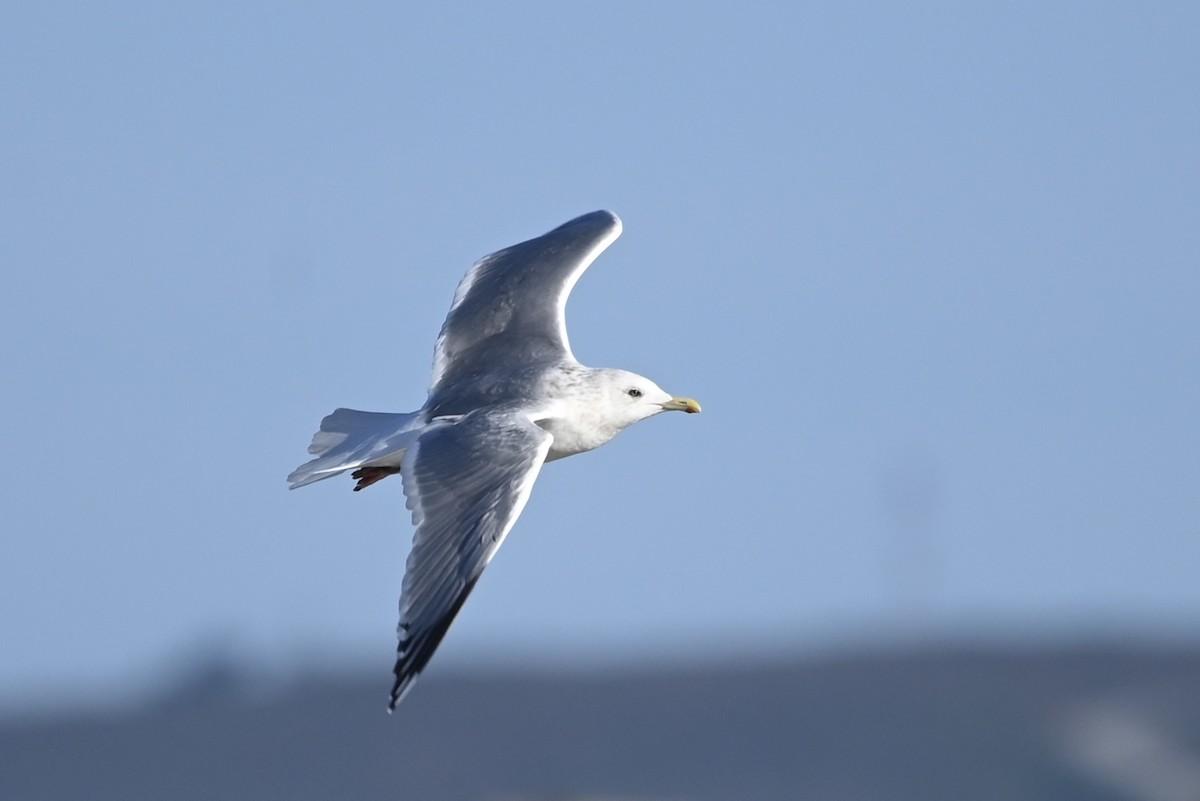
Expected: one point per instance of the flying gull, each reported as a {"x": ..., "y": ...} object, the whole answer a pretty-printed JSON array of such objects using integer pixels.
[{"x": 506, "y": 396}]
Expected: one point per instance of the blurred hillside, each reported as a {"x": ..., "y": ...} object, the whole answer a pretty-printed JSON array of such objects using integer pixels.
[{"x": 1101, "y": 722}]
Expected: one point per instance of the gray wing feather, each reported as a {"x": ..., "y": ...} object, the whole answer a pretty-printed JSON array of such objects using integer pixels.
[
  {"x": 466, "y": 483},
  {"x": 510, "y": 304}
]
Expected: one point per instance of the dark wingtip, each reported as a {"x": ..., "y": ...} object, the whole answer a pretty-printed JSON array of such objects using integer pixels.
[
  {"x": 415, "y": 649},
  {"x": 399, "y": 690}
]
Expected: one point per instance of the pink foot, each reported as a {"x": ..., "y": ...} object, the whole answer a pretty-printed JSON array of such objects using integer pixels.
[{"x": 369, "y": 475}]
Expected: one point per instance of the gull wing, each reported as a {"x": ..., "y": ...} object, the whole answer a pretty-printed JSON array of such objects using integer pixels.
[
  {"x": 466, "y": 483},
  {"x": 510, "y": 305}
]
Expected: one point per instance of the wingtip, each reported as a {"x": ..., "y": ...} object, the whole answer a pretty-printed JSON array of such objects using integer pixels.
[
  {"x": 399, "y": 691},
  {"x": 604, "y": 217},
  {"x": 618, "y": 226}
]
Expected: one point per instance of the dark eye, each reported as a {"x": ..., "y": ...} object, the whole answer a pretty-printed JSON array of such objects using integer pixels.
[{"x": 634, "y": 393}]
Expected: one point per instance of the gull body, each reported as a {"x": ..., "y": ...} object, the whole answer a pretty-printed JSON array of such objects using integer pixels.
[{"x": 506, "y": 396}]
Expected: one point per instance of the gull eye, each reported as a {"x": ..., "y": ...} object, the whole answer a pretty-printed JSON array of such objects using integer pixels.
[{"x": 634, "y": 393}]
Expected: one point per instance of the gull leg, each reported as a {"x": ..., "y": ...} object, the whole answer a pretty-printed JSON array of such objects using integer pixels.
[{"x": 369, "y": 475}]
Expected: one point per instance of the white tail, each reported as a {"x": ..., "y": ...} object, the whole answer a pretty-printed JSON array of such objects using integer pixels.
[{"x": 350, "y": 439}]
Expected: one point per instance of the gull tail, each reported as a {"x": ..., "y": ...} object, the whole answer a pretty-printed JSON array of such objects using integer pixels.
[{"x": 350, "y": 439}]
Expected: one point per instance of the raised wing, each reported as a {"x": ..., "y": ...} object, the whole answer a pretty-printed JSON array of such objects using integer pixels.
[
  {"x": 466, "y": 484},
  {"x": 511, "y": 304}
]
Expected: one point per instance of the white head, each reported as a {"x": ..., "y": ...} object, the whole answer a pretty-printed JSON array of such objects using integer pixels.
[
  {"x": 625, "y": 397},
  {"x": 596, "y": 405}
]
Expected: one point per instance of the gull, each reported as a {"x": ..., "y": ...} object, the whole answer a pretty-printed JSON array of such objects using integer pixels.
[{"x": 506, "y": 396}]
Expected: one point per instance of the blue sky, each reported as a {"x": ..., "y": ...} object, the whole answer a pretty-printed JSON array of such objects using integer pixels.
[{"x": 932, "y": 269}]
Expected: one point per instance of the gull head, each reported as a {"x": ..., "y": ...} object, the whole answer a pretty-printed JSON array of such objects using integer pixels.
[
  {"x": 593, "y": 406},
  {"x": 626, "y": 398}
]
